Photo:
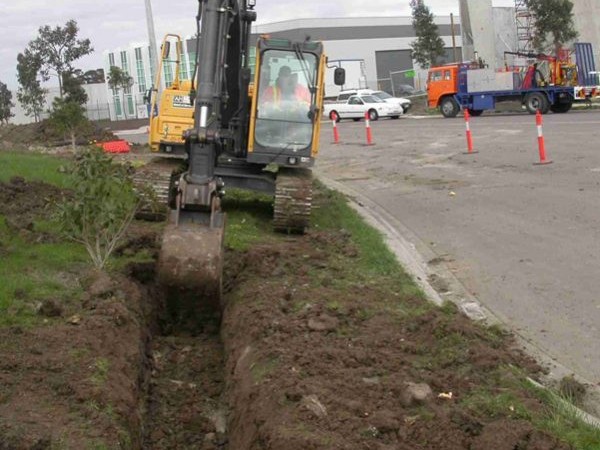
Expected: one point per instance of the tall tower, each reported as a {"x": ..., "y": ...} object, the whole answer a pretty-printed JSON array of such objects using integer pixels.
[
  {"x": 525, "y": 26},
  {"x": 478, "y": 34}
]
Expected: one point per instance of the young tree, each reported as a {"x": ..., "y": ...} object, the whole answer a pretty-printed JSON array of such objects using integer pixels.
[
  {"x": 6, "y": 103},
  {"x": 120, "y": 81},
  {"x": 102, "y": 206},
  {"x": 68, "y": 117},
  {"x": 58, "y": 48},
  {"x": 554, "y": 25},
  {"x": 428, "y": 46},
  {"x": 30, "y": 94}
]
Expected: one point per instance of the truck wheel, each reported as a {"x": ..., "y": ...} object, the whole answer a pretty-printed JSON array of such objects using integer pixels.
[
  {"x": 373, "y": 115},
  {"x": 535, "y": 101},
  {"x": 449, "y": 107},
  {"x": 476, "y": 112},
  {"x": 561, "y": 108},
  {"x": 333, "y": 115}
]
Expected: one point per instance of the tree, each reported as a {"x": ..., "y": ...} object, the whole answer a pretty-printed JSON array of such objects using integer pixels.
[
  {"x": 554, "y": 25},
  {"x": 102, "y": 206},
  {"x": 120, "y": 81},
  {"x": 31, "y": 95},
  {"x": 428, "y": 46},
  {"x": 68, "y": 117},
  {"x": 73, "y": 88},
  {"x": 6, "y": 103},
  {"x": 57, "y": 49}
]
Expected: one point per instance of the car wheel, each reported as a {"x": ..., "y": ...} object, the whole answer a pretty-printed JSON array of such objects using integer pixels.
[
  {"x": 537, "y": 101},
  {"x": 333, "y": 115},
  {"x": 373, "y": 115},
  {"x": 449, "y": 107}
]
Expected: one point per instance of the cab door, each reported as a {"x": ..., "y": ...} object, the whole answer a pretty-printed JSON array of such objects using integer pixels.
[
  {"x": 441, "y": 82},
  {"x": 356, "y": 107}
]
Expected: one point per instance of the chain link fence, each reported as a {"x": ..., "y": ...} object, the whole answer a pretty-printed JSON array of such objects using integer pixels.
[{"x": 404, "y": 83}]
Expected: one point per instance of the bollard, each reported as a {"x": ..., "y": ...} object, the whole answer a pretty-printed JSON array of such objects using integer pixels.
[
  {"x": 336, "y": 134},
  {"x": 368, "y": 129},
  {"x": 469, "y": 134},
  {"x": 539, "y": 121}
]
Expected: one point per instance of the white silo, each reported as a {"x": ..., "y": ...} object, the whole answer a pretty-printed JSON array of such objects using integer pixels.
[{"x": 477, "y": 22}]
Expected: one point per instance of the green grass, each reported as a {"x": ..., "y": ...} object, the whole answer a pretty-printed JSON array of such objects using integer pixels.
[
  {"x": 33, "y": 167},
  {"x": 562, "y": 419},
  {"x": 248, "y": 219},
  {"x": 31, "y": 273},
  {"x": 334, "y": 213},
  {"x": 100, "y": 374}
]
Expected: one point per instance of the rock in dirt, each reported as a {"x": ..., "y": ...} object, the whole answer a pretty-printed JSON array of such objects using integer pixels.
[
  {"x": 472, "y": 310},
  {"x": 415, "y": 394},
  {"x": 50, "y": 308},
  {"x": 74, "y": 320},
  {"x": 312, "y": 403},
  {"x": 323, "y": 323}
]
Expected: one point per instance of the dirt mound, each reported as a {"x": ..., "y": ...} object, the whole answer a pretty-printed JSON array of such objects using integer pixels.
[
  {"x": 42, "y": 134},
  {"x": 90, "y": 368},
  {"x": 22, "y": 202},
  {"x": 318, "y": 359}
]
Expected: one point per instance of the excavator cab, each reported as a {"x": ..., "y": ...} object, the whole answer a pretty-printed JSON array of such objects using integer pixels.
[{"x": 287, "y": 107}]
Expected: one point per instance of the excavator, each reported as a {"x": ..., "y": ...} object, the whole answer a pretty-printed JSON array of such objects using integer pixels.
[
  {"x": 264, "y": 138},
  {"x": 172, "y": 114}
]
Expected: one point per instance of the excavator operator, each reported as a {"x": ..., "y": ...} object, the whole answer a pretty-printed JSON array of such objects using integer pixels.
[
  {"x": 284, "y": 112},
  {"x": 286, "y": 88}
]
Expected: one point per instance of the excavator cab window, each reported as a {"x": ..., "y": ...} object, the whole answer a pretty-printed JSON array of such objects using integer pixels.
[{"x": 285, "y": 95}]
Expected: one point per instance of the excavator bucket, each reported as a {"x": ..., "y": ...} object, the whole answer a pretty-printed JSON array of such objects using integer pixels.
[{"x": 190, "y": 268}]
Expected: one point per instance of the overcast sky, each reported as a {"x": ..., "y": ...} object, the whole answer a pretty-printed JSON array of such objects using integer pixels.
[{"x": 113, "y": 23}]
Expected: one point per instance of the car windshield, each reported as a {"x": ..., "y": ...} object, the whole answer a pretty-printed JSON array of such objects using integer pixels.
[
  {"x": 382, "y": 95},
  {"x": 371, "y": 99}
]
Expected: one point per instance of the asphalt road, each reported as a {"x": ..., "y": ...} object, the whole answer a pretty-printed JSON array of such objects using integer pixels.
[{"x": 523, "y": 239}]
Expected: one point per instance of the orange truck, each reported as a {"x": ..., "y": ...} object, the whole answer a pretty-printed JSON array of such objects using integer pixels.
[{"x": 456, "y": 87}]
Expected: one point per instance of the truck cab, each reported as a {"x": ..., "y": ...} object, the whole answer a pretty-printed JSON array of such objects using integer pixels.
[{"x": 442, "y": 85}]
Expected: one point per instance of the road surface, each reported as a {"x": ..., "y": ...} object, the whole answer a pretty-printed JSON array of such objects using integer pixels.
[{"x": 523, "y": 239}]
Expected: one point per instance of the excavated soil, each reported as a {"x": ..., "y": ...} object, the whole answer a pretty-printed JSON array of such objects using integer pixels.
[
  {"x": 42, "y": 134},
  {"x": 23, "y": 201},
  {"x": 311, "y": 366},
  {"x": 78, "y": 382},
  {"x": 309, "y": 355}
]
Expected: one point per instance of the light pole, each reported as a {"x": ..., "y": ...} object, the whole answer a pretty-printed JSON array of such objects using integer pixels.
[{"x": 151, "y": 39}]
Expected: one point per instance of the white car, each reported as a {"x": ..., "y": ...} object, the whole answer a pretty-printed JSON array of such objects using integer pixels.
[
  {"x": 357, "y": 106},
  {"x": 382, "y": 95}
]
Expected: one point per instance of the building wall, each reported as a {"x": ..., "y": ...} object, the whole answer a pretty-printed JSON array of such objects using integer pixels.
[
  {"x": 96, "y": 107},
  {"x": 135, "y": 60},
  {"x": 587, "y": 22},
  {"x": 478, "y": 29},
  {"x": 382, "y": 43},
  {"x": 505, "y": 28}
]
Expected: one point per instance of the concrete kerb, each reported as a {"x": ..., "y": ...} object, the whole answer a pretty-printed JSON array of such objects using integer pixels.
[{"x": 416, "y": 258}]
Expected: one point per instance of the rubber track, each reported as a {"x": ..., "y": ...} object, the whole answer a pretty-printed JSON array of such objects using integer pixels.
[
  {"x": 293, "y": 200},
  {"x": 157, "y": 176}
]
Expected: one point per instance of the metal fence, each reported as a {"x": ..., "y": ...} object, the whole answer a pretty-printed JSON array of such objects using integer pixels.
[
  {"x": 97, "y": 111},
  {"x": 399, "y": 83}
]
